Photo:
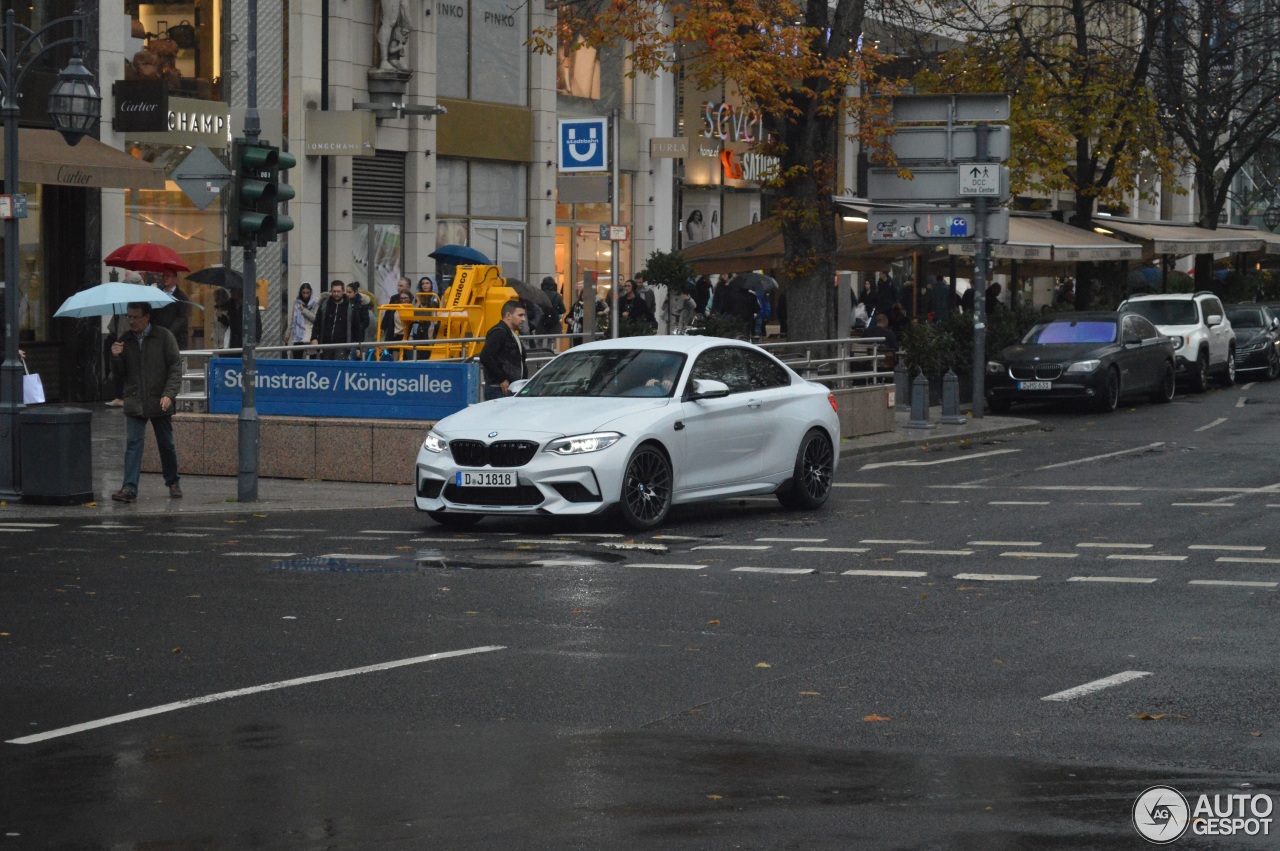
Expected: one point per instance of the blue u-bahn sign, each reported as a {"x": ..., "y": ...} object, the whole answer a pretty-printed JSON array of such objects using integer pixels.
[{"x": 388, "y": 390}]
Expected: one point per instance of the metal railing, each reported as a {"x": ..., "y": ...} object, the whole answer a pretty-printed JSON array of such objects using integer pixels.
[{"x": 838, "y": 363}]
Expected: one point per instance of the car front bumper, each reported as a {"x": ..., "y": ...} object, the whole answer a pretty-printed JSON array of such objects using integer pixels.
[
  {"x": 1064, "y": 388},
  {"x": 548, "y": 484},
  {"x": 1255, "y": 359}
]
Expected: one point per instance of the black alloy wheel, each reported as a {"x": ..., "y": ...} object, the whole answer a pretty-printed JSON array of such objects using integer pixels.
[
  {"x": 811, "y": 480},
  {"x": 455, "y": 520},
  {"x": 1228, "y": 377},
  {"x": 1110, "y": 398},
  {"x": 1167, "y": 387},
  {"x": 1273, "y": 365},
  {"x": 646, "y": 488},
  {"x": 1200, "y": 378}
]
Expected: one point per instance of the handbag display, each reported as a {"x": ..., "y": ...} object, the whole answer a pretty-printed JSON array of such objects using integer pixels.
[
  {"x": 32, "y": 386},
  {"x": 183, "y": 35}
]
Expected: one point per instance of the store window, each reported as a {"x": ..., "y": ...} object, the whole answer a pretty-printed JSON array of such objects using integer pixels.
[
  {"x": 182, "y": 46},
  {"x": 579, "y": 247},
  {"x": 488, "y": 60},
  {"x": 483, "y": 204},
  {"x": 591, "y": 81}
]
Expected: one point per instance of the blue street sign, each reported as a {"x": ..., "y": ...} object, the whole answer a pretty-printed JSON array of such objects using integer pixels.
[
  {"x": 389, "y": 390},
  {"x": 584, "y": 144}
]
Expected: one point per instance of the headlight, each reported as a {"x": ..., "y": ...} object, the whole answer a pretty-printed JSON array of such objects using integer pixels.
[
  {"x": 1253, "y": 347},
  {"x": 435, "y": 443},
  {"x": 1178, "y": 342},
  {"x": 1084, "y": 366},
  {"x": 583, "y": 443},
  {"x": 994, "y": 367}
]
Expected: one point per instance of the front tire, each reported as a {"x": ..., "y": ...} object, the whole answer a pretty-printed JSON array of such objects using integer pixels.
[
  {"x": 646, "y": 489},
  {"x": 811, "y": 480},
  {"x": 454, "y": 520},
  {"x": 1228, "y": 376},
  {"x": 1168, "y": 383},
  {"x": 1273, "y": 366},
  {"x": 1110, "y": 398},
  {"x": 1200, "y": 378}
]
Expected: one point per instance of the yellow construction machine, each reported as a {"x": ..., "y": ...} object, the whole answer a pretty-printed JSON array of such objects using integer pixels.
[{"x": 469, "y": 308}]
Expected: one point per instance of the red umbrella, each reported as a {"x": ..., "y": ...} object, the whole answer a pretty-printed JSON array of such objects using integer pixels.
[{"x": 146, "y": 257}]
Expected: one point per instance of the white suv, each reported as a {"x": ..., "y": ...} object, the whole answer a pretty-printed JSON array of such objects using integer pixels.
[{"x": 1204, "y": 343}]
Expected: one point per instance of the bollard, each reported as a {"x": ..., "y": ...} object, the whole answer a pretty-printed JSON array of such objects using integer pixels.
[
  {"x": 920, "y": 403},
  {"x": 901, "y": 386},
  {"x": 951, "y": 401}
]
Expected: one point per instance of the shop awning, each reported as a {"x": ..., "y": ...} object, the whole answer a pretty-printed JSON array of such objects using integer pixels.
[
  {"x": 1162, "y": 238},
  {"x": 759, "y": 246},
  {"x": 45, "y": 157},
  {"x": 1043, "y": 240},
  {"x": 1270, "y": 242}
]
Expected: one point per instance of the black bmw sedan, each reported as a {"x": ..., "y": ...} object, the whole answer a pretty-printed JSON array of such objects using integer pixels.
[{"x": 1093, "y": 357}]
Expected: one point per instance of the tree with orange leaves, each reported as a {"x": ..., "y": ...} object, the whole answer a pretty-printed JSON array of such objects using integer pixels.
[{"x": 803, "y": 66}]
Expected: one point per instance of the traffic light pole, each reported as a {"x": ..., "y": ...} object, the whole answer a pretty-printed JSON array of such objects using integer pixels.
[
  {"x": 247, "y": 482},
  {"x": 980, "y": 287}
]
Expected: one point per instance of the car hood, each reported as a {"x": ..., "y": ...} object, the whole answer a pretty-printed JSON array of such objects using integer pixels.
[
  {"x": 1245, "y": 336},
  {"x": 1056, "y": 352},
  {"x": 1177, "y": 330},
  {"x": 542, "y": 416}
]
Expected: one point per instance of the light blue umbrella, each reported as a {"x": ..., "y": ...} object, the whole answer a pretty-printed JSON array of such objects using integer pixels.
[{"x": 110, "y": 299}]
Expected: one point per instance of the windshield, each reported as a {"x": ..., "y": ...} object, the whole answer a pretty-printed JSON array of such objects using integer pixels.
[
  {"x": 1171, "y": 312},
  {"x": 608, "y": 372},
  {"x": 1067, "y": 331},
  {"x": 1245, "y": 317}
]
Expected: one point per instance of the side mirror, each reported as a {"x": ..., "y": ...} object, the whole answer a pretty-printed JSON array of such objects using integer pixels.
[
  {"x": 705, "y": 388},
  {"x": 516, "y": 386},
  {"x": 1275, "y": 322},
  {"x": 1213, "y": 321}
]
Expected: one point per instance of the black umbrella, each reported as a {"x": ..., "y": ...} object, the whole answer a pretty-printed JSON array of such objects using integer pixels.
[
  {"x": 460, "y": 255},
  {"x": 756, "y": 282},
  {"x": 218, "y": 276},
  {"x": 528, "y": 293}
]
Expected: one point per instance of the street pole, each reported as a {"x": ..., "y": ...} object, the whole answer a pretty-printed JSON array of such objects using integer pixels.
[
  {"x": 11, "y": 371},
  {"x": 615, "y": 189},
  {"x": 247, "y": 481},
  {"x": 980, "y": 286}
]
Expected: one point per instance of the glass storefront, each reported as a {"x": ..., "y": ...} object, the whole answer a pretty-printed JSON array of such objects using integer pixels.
[
  {"x": 579, "y": 247},
  {"x": 483, "y": 204}
]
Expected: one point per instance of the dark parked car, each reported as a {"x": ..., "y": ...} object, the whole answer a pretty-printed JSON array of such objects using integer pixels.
[
  {"x": 1092, "y": 357},
  {"x": 1257, "y": 338}
]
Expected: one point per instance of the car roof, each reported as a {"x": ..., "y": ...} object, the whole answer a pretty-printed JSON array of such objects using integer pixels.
[
  {"x": 1171, "y": 296},
  {"x": 686, "y": 343},
  {"x": 1081, "y": 316}
]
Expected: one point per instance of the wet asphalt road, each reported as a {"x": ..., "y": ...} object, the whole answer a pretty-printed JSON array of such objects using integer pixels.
[{"x": 692, "y": 705}]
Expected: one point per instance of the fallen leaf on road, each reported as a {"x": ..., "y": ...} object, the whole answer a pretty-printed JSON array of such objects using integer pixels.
[
  {"x": 1257, "y": 734},
  {"x": 886, "y": 558},
  {"x": 1142, "y": 716},
  {"x": 811, "y": 693},
  {"x": 714, "y": 623},
  {"x": 580, "y": 612},
  {"x": 193, "y": 596},
  {"x": 4, "y": 635},
  {"x": 176, "y": 650},
  {"x": 877, "y": 718},
  {"x": 471, "y": 613},
  {"x": 260, "y": 515},
  {"x": 88, "y": 505},
  {"x": 715, "y": 797},
  {"x": 763, "y": 665}
]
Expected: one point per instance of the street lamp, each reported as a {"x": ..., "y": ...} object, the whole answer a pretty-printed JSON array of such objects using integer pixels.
[
  {"x": 75, "y": 107},
  {"x": 1271, "y": 216}
]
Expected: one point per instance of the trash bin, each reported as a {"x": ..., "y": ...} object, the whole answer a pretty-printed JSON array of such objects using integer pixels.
[{"x": 56, "y": 455}]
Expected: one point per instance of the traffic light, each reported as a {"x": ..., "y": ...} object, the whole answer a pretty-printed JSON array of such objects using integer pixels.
[{"x": 254, "y": 217}]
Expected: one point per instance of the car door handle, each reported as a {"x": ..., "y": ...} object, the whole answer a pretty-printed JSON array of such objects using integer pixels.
[
  {"x": 753, "y": 403},
  {"x": 679, "y": 426}
]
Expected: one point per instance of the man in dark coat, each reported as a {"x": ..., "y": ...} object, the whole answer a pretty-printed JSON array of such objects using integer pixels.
[
  {"x": 502, "y": 358},
  {"x": 336, "y": 322},
  {"x": 743, "y": 306},
  {"x": 552, "y": 318},
  {"x": 173, "y": 316},
  {"x": 147, "y": 360}
]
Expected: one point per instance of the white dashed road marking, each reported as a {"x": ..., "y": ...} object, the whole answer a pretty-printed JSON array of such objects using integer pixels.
[
  {"x": 673, "y": 566},
  {"x": 1100, "y": 546},
  {"x": 263, "y": 555},
  {"x": 1230, "y": 582},
  {"x": 1004, "y": 543},
  {"x": 244, "y": 692},
  {"x": 936, "y": 552},
  {"x": 966, "y": 457},
  {"x": 1111, "y": 579},
  {"x": 1225, "y": 548},
  {"x": 829, "y": 549},
  {"x": 1219, "y": 421},
  {"x": 995, "y": 577},
  {"x": 784, "y": 570},
  {"x": 1016, "y": 502},
  {"x": 1203, "y": 504},
  {"x": 1101, "y": 457},
  {"x": 355, "y": 557},
  {"x": 1097, "y": 685},
  {"x": 1029, "y": 554},
  {"x": 903, "y": 541},
  {"x": 731, "y": 547},
  {"x": 1245, "y": 560},
  {"x": 794, "y": 540},
  {"x": 902, "y": 574},
  {"x": 1132, "y": 557}
]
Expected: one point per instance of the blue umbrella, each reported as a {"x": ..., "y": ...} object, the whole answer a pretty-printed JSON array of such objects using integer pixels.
[
  {"x": 112, "y": 298},
  {"x": 460, "y": 255}
]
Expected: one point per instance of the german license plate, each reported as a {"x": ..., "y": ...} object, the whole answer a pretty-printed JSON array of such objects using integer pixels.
[
  {"x": 1035, "y": 385},
  {"x": 467, "y": 479}
]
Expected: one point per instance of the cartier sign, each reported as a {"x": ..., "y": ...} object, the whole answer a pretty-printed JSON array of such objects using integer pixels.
[{"x": 142, "y": 106}]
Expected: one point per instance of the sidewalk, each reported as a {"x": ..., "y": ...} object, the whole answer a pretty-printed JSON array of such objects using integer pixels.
[{"x": 217, "y": 494}]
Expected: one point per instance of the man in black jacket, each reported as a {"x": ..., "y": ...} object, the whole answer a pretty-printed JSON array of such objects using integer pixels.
[
  {"x": 335, "y": 323},
  {"x": 146, "y": 359},
  {"x": 502, "y": 358}
]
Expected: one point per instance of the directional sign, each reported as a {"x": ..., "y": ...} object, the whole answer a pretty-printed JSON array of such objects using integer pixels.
[
  {"x": 950, "y": 108},
  {"x": 201, "y": 176},
  {"x": 933, "y": 224},
  {"x": 929, "y": 144},
  {"x": 584, "y": 144},
  {"x": 939, "y": 184}
]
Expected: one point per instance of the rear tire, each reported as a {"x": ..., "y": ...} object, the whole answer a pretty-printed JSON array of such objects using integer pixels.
[
  {"x": 1110, "y": 398},
  {"x": 455, "y": 520},
  {"x": 1165, "y": 391},
  {"x": 1228, "y": 376},
  {"x": 1200, "y": 378},
  {"x": 646, "y": 489},
  {"x": 811, "y": 480}
]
